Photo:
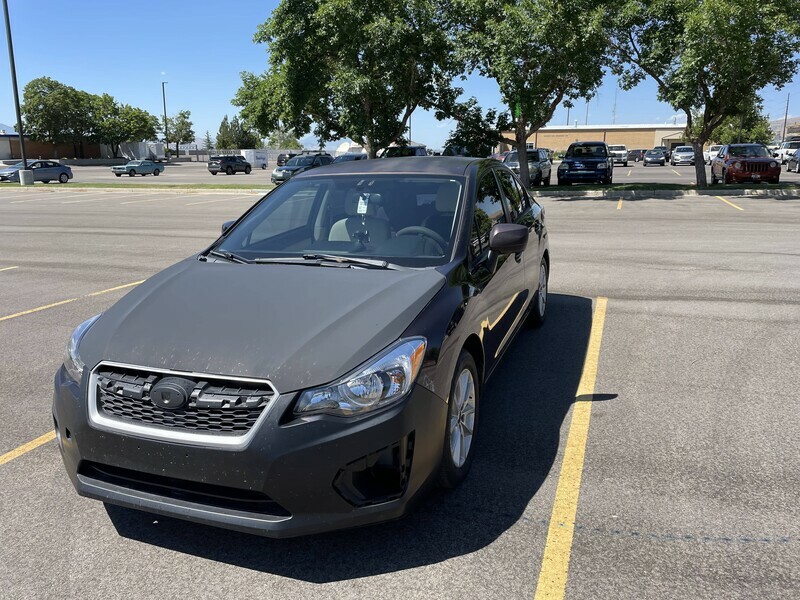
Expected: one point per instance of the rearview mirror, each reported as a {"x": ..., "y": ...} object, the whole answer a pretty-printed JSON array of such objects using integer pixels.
[
  {"x": 508, "y": 238},
  {"x": 227, "y": 225}
]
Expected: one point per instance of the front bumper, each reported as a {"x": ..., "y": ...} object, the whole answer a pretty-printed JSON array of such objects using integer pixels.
[
  {"x": 682, "y": 161},
  {"x": 660, "y": 162},
  {"x": 584, "y": 175},
  {"x": 281, "y": 177},
  {"x": 294, "y": 477},
  {"x": 772, "y": 175}
]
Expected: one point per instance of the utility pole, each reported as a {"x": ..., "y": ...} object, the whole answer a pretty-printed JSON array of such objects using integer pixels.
[
  {"x": 614, "y": 109},
  {"x": 785, "y": 118},
  {"x": 568, "y": 116},
  {"x": 164, "y": 98},
  {"x": 25, "y": 174},
  {"x": 587, "y": 113}
]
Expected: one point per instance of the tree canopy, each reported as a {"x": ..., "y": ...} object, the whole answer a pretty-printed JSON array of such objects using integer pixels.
[
  {"x": 233, "y": 135},
  {"x": 540, "y": 53},
  {"x": 709, "y": 58},
  {"x": 352, "y": 69},
  {"x": 476, "y": 133},
  {"x": 284, "y": 139},
  {"x": 180, "y": 129}
]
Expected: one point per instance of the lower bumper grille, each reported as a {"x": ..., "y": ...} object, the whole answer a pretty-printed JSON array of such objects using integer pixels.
[
  {"x": 189, "y": 491},
  {"x": 211, "y": 404}
]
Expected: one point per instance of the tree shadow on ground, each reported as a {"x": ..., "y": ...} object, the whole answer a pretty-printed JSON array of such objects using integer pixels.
[{"x": 522, "y": 411}]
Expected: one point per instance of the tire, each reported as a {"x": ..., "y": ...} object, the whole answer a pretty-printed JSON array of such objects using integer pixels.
[
  {"x": 229, "y": 171},
  {"x": 547, "y": 181},
  {"x": 263, "y": 167},
  {"x": 45, "y": 181},
  {"x": 625, "y": 164},
  {"x": 539, "y": 303},
  {"x": 462, "y": 416},
  {"x": 131, "y": 173},
  {"x": 714, "y": 180},
  {"x": 63, "y": 178},
  {"x": 725, "y": 179},
  {"x": 118, "y": 174},
  {"x": 156, "y": 172},
  {"x": 247, "y": 170},
  {"x": 213, "y": 172}
]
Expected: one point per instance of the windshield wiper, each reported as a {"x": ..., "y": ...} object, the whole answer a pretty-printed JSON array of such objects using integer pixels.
[
  {"x": 229, "y": 256},
  {"x": 352, "y": 260}
]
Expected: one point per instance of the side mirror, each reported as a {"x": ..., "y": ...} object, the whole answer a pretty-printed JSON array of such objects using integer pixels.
[
  {"x": 508, "y": 238},
  {"x": 227, "y": 225}
]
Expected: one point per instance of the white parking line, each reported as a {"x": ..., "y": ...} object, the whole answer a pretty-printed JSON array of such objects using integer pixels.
[
  {"x": 222, "y": 200},
  {"x": 7, "y": 268}
]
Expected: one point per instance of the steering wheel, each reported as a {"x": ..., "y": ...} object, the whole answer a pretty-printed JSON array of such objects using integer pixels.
[{"x": 425, "y": 232}]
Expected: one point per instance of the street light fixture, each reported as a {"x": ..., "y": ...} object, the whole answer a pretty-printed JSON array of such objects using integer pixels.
[
  {"x": 164, "y": 98},
  {"x": 25, "y": 174}
]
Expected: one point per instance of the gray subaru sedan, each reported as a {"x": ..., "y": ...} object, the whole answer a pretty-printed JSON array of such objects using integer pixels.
[{"x": 321, "y": 363}]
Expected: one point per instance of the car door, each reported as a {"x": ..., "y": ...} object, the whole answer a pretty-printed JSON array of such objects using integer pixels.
[
  {"x": 499, "y": 280},
  {"x": 716, "y": 163},
  {"x": 39, "y": 169},
  {"x": 544, "y": 164}
]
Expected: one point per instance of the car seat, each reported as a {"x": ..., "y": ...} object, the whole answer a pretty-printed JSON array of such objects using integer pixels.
[
  {"x": 446, "y": 202},
  {"x": 350, "y": 228}
]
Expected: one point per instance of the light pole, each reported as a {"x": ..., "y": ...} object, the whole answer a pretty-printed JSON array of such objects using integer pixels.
[
  {"x": 25, "y": 174},
  {"x": 164, "y": 98}
]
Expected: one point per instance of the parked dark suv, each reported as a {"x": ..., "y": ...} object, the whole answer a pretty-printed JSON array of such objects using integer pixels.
[
  {"x": 230, "y": 165},
  {"x": 298, "y": 164},
  {"x": 282, "y": 158},
  {"x": 539, "y": 166}
]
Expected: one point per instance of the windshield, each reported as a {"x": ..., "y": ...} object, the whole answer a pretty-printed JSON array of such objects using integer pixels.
[
  {"x": 750, "y": 151},
  {"x": 684, "y": 149},
  {"x": 511, "y": 157},
  {"x": 354, "y": 216},
  {"x": 586, "y": 151},
  {"x": 300, "y": 161},
  {"x": 134, "y": 163},
  {"x": 396, "y": 151},
  {"x": 653, "y": 153}
]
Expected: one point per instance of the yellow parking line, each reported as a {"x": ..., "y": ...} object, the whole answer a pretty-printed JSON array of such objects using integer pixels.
[
  {"x": 32, "y": 445},
  {"x": 619, "y": 204},
  {"x": 676, "y": 173},
  {"x": 8, "y": 268},
  {"x": 629, "y": 172},
  {"x": 555, "y": 563},
  {"x": 62, "y": 302},
  {"x": 731, "y": 203}
]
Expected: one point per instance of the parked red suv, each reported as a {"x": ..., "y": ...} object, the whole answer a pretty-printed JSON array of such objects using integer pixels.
[{"x": 736, "y": 163}]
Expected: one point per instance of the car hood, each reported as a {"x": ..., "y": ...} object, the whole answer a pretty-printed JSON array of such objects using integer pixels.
[
  {"x": 287, "y": 168},
  {"x": 298, "y": 325}
]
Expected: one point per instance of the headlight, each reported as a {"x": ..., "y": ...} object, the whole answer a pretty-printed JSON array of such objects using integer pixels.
[
  {"x": 602, "y": 165},
  {"x": 383, "y": 380},
  {"x": 72, "y": 361},
  {"x": 773, "y": 164},
  {"x": 563, "y": 167},
  {"x": 737, "y": 165}
]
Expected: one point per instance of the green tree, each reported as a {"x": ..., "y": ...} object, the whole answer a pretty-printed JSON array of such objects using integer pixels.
[
  {"x": 117, "y": 123},
  {"x": 475, "y": 134},
  {"x": 207, "y": 143},
  {"x": 43, "y": 103},
  {"x": 180, "y": 129},
  {"x": 353, "y": 69},
  {"x": 751, "y": 126},
  {"x": 244, "y": 136},
  {"x": 225, "y": 139},
  {"x": 540, "y": 52},
  {"x": 709, "y": 58},
  {"x": 284, "y": 139}
]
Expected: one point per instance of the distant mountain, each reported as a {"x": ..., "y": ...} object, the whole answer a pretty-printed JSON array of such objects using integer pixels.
[{"x": 792, "y": 126}]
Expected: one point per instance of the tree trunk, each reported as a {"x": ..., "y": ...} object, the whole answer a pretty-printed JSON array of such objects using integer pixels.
[
  {"x": 521, "y": 136},
  {"x": 369, "y": 146},
  {"x": 177, "y": 150},
  {"x": 114, "y": 150},
  {"x": 699, "y": 162}
]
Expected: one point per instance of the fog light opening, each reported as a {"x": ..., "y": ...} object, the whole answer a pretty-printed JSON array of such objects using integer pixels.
[{"x": 378, "y": 477}]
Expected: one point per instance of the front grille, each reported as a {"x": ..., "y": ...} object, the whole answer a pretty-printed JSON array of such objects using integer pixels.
[
  {"x": 755, "y": 167},
  {"x": 218, "y": 496},
  {"x": 215, "y": 405}
]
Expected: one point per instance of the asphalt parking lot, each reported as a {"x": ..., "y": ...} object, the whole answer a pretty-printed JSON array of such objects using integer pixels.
[
  {"x": 193, "y": 173},
  {"x": 686, "y": 310}
]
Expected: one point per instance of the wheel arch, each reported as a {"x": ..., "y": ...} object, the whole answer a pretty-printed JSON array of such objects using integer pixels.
[{"x": 474, "y": 346}]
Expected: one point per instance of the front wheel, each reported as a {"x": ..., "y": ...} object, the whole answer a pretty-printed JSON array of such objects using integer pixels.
[
  {"x": 462, "y": 419},
  {"x": 131, "y": 173},
  {"x": 118, "y": 174},
  {"x": 63, "y": 178},
  {"x": 547, "y": 181},
  {"x": 229, "y": 171},
  {"x": 247, "y": 170}
]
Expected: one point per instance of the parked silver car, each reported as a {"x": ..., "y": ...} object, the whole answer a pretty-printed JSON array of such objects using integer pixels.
[
  {"x": 43, "y": 170},
  {"x": 682, "y": 155}
]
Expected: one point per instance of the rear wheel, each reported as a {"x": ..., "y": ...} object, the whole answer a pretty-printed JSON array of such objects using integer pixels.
[
  {"x": 118, "y": 174},
  {"x": 45, "y": 181},
  {"x": 213, "y": 172},
  {"x": 462, "y": 419},
  {"x": 229, "y": 171},
  {"x": 625, "y": 164},
  {"x": 539, "y": 309},
  {"x": 63, "y": 178},
  {"x": 156, "y": 172},
  {"x": 714, "y": 180},
  {"x": 547, "y": 181}
]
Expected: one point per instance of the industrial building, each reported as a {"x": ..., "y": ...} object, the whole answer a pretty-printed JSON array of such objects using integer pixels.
[{"x": 633, "y": 136}]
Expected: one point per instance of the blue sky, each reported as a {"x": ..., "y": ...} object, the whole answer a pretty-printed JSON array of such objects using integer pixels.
[{"x": 199, "y": 47}]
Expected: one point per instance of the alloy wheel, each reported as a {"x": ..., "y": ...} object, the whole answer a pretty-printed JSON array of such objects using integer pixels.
[{"x": 462, "y": 418}]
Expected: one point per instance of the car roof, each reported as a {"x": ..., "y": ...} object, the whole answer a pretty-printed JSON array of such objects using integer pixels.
[{"x": 410, "y": 165}]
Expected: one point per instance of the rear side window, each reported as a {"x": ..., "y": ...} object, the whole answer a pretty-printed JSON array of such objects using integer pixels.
[
  {"x": 512, "y": 193},
  {"x": 488, "y": 211}
]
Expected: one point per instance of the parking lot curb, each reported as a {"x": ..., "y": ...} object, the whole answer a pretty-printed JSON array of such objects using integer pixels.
[{"x": 577, "y": 194}]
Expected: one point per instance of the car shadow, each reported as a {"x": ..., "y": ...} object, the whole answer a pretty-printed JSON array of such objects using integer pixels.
[{"x": 522, "y": 412}]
